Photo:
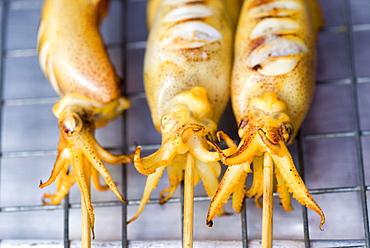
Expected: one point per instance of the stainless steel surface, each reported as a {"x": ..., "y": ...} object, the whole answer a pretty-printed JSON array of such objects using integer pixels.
[
  {"x": 177, "y": 243},
  {"x": 332, "y": 152}
]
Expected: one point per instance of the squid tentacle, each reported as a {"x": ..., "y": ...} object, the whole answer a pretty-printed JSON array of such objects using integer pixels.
[
  {"x": 246, "y": 151},
  {"x": 64, "y": 182},
  {"x": 96, "y": 180},
  {"x": 151, "y": 183},
  {"x": 149, "y": 164},
  {"x": 256, "y": 190},
  {"x": 175, "y": 175},
  {"x": 239, "y": 193},
  {"x": 78, "y": 167},
  {"x": 283, "y": 191},
  {"x": 167, "y": 193},
  {"x": 228, "y": 183},
  {"x": 111, "y": 158},
  {"x": 209, "y": 176},
  {"x": 232, "y": 147},
  {"x": 189, "y": 137},
  {"x": 96, "y": 162},
  {"x": 60, "y": 163},
  {"x": 266, "y": 130},
  {"x": 295, "y": 184}
]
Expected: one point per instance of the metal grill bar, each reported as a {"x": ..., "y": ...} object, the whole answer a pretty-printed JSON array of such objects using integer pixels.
[
  {"x": 3, "y": 8},
  {"x": 135, "y": 202},
  {"x": 66, "y": 207},
  {"x": 306, "y": 234},
  {"x": 359, "y": 156},
  {"x": 124, "y": 149},
  {"x": 244, "y": 224}
]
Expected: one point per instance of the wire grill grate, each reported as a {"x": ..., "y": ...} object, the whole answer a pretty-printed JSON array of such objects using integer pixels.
[{"x": 331, "y": 151}]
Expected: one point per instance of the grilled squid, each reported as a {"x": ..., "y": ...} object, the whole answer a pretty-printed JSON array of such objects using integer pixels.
[
  {"x": 73, "y": 58},
  {"x": 187, "y": 73},
  {"x": 232, "y": 7},
  {"x": 271, "y": 90}
]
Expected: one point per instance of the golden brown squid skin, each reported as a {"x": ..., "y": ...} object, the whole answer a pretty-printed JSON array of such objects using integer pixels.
[
  {"x": 295, "y": 87},
  {"x": 71, "y": 51},
  {"x": 232, "y": 8},
  {"x": 174, "y": 64},
  {"x": 271, "y": 90},
  {"x": 186, "y": 71},
  {"x": 73, "y": 58}
]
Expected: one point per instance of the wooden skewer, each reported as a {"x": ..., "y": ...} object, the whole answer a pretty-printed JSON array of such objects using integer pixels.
[
  {"x": 268, "y": 202},
  {"x": 86, "y": 226},
  {"x": 187, "y": 235}
]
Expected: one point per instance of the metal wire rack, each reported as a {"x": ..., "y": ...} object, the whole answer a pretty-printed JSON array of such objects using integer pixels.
[{"x": 332, "y": 150}]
